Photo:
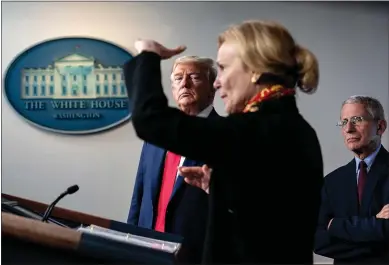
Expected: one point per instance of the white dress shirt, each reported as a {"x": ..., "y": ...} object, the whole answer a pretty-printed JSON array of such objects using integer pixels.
[{"x": 368, "y": 160}]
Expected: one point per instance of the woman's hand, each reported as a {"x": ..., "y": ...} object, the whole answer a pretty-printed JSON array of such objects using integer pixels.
[
  {"x": 153, "y": 46},
  {"x": 197, "y": 176}
]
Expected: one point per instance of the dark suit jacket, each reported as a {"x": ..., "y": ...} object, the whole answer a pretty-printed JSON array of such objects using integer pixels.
[
  {"x": 267, "y": 169},
  {"x": 187, "y": 210},
  {"x": 355, "y": 234}
]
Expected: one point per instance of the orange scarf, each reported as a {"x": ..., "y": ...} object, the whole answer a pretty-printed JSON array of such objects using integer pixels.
[{"x": 275, "y": 91}]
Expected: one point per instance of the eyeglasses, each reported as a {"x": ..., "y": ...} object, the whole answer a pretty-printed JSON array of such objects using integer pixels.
[{"x": 355, "y": 120}]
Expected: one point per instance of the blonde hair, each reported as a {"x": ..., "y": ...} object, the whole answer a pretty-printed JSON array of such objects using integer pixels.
[
  {"x": 268, "y": 47},
  {"x": 205, "y": 63}
]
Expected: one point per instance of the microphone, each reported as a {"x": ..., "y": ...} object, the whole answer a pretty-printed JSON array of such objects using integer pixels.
[{"x": 70, "y": 190}]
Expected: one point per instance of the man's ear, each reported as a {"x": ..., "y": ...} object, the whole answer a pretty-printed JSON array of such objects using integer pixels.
[{"x": 381, "y": 127}]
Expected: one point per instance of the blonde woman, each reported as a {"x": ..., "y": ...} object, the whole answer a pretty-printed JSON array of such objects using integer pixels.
[{"x": 266, "y": 160}]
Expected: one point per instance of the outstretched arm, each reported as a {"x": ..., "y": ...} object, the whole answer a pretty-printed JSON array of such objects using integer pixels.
[{"x": 157, "y": 123}]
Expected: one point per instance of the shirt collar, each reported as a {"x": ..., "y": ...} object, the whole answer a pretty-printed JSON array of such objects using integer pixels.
[
  {"x": 368, "y": 160},
  {"x": 205, "y": 112}
]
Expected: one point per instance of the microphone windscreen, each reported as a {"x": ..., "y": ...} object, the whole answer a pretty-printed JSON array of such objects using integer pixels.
[{"x": 72, "y": 189}]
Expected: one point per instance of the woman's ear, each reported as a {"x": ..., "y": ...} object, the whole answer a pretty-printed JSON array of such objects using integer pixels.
[{"x": 255, "y": 78}]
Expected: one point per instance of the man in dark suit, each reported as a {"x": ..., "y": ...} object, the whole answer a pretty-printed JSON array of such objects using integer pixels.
[
  {"x": 353, "y": 224},
  {"x": 161, "y": 199}
]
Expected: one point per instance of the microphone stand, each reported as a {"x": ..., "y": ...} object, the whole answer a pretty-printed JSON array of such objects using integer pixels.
[{"x": 48, "y": 211}]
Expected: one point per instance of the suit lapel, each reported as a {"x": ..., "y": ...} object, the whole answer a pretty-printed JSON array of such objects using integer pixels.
[
  {"x": 377, "y": 170},
  {"x": 351, "y": 189},
  {"x": 158, "y": 162},
  {"x": 180, "y": 180}
]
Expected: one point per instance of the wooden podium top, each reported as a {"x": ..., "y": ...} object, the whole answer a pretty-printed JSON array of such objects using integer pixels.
[
  {"x": 50, "y": 243},
  {"x": 39, "y": 232},
  {"x": 59, "y": 212}
]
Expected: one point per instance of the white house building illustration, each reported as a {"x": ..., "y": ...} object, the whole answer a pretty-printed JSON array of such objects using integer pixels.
[{"x": 74, "y": 76}]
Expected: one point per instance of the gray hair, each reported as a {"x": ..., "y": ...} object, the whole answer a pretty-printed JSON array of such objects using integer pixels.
[
  {"x": 206, "y": 63},
  {"x": 372, "y": 105}
]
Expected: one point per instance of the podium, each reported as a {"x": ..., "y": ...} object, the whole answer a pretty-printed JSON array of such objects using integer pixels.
[{"x": 28, "y": 240}]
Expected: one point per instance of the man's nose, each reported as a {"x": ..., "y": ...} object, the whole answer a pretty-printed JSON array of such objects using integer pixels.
[
  {"x": 349, "y": 127},
  {"x": 185, "y": 82}
]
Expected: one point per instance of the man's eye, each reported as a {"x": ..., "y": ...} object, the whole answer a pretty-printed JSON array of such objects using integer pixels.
[{"x": 356, "y": 119}]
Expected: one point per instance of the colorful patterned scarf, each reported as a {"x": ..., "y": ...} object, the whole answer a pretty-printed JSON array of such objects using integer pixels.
[{"x": 275, "y": 91}]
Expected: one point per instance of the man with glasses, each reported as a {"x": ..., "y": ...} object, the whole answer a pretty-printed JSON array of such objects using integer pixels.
[{"x": 353, "y": 224}]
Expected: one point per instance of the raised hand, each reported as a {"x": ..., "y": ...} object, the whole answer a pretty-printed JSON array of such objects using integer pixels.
[
  {"x": 153, "y": 46},
  {"x": 197, "y": 176}
]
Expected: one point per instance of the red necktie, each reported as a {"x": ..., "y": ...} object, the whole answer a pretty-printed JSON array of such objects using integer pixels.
[
  {"x": 361, "y": 179},
  {"x": 168, "y": 178}
]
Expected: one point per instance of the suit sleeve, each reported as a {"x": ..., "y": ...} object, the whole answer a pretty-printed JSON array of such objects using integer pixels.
[
  {"x": 137, "y": 194},
  {"x": 203, "y": 139},
  {"x": 360, "y": 229},
  {"x": 332, "y": 247}
]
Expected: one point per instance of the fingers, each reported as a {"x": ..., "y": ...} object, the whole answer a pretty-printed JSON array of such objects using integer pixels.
[
  {"x": 207, "y": 170},
  {"x": 193, "y": 182},
  {"x": 386, "y": 207},
  {"x": 190, "y": 181},
  {"x": 384, "y": 213},
  {"x": 383, "y": 216},
  {"x": 153, "y": 46},
  {"x": 191, "y": 173},
  {"x": 187, "y": 169},
  {"x": 190, "y": 170},
  {"x": 179, "y": 49},
  {"x": 167, "y": 53},
  {"x": 198, "y": 184}
]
